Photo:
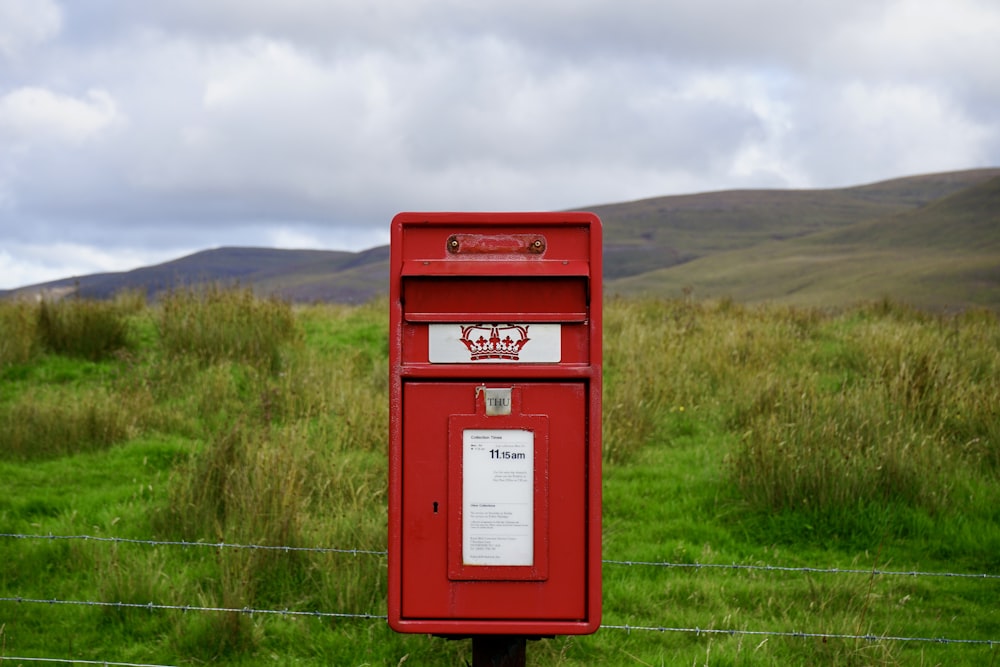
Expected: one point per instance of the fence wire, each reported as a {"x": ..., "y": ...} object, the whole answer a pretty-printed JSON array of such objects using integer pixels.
[
  {"x": 629, "y": 563},
  {"x": 182, "y": 543},
  {"x": 812, "y": 570},
  {"x": 73, "y": 661},
  {"x": 150, "y": 606},
  {"x": 802, "y": 635}
]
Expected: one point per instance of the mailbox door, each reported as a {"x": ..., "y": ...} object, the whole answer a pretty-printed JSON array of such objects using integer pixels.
[{"x": 551, "y": 585}]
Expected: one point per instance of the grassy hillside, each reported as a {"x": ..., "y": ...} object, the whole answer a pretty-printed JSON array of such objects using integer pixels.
[
  {"x": 359, "y": 279},
  {"x": 757, "y": 437},
  {"x": 944, "y": 255},
  {"x": 664, "y": 232},
  {"x": 651, "y": 234},
  {"x": 966, "y": 221},
  {"x": 299, "y": 275}
]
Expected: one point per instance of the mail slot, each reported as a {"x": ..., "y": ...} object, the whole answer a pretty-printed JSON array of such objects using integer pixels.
[{"x": 495, "y": 423}]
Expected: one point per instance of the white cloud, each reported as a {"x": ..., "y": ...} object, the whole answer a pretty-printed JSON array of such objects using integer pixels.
[
  {"x": 25, "y": 24},
  {"x": 915, "y": 37},
  {"x": 291, "y": 237},
  {"x": 948, "y": 46},
  {"x": 313, "y": 237},
  {"x": 866, "y": 131},
  {"x": 910, "y": 127},
  {"x": 28, "y": 264},
  {"x": 31, "y": 114}
]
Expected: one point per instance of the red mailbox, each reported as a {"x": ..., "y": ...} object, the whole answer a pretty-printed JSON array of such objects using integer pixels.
[{"x": 495, "y": 423}]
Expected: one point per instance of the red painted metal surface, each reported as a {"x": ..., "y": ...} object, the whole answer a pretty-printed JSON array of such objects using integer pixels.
[{"x": 509, "y": 272}]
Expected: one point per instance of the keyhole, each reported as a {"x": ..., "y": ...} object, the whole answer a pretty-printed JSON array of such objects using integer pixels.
[{"x": 435, "y": 507}]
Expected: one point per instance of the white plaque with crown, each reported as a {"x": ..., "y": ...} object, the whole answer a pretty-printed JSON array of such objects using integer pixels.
[{"x": 494, "y": 343}]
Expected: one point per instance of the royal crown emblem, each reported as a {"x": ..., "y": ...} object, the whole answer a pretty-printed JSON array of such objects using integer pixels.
[{"x": 494, "y": 341}]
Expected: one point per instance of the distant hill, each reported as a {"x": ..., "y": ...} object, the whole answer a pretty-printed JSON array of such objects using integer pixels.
[
  {"x": 652, "y": 234},
  {"x": 931, "y": 240},
  {"x": 298, "y": 275},
  {"x": 941, "y": 255}
]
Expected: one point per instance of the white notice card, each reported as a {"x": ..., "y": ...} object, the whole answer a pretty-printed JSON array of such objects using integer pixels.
[{"x": 498, "y": 475}]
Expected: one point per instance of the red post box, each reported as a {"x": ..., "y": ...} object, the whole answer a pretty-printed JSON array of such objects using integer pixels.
[{"x": 495, "y": 424}]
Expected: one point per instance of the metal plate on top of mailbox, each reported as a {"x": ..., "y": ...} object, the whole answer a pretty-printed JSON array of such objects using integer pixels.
[{"x": 455, "y": 343}]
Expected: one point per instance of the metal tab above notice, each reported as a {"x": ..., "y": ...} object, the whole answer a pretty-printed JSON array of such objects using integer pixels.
[{"x": 497, "y": 401}]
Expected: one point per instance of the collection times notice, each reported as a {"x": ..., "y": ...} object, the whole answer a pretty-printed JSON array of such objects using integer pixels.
[{"x": 498, "y": 497}]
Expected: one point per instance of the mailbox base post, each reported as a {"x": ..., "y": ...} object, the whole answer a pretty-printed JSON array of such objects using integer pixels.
[{"x": 498, "y": 651}]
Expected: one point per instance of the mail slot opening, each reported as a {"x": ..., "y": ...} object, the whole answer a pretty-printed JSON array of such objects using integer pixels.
[{"x": 480, "y": 298}]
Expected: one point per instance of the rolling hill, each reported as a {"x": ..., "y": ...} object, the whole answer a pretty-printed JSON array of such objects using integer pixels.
[
  {"x": 657, "y": 233},
  {"x": 298, "y": 275},
  {"x": 931, "y": 240},
  {"x": 942, "y": 255}
]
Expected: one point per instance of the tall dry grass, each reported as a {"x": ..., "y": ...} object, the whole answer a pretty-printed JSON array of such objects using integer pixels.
[
  {"x": 664, "y": 358},
  {"x": 872, "y": 405},
  {"x": 895, "y": 409},
  {"x": 215, "y": 323},
  {"x": 86, "y": 328},
  {"x": 293, "y": 458},
  {"x": 18, "y": 335},
  {"x": 50, "y": 422}
]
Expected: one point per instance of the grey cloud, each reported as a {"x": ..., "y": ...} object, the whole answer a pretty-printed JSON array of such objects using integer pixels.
[{"x": 260, "y": 122}]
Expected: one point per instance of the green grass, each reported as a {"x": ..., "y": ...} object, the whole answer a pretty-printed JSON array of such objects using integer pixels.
[{"x": 865, "y": 438}]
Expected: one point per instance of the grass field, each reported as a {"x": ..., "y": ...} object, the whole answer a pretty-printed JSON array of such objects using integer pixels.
[{"x": 866, "y": 439}]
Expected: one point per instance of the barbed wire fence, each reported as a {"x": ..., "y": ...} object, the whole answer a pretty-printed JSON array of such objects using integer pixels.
[
  {"x": 630, "y": 563},
  {"x": 364, "y": 616},
  {"x": 73, "y": 661}
]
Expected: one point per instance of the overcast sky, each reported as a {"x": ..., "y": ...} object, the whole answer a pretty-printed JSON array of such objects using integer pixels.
[{"x": 136, "y": 132}]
